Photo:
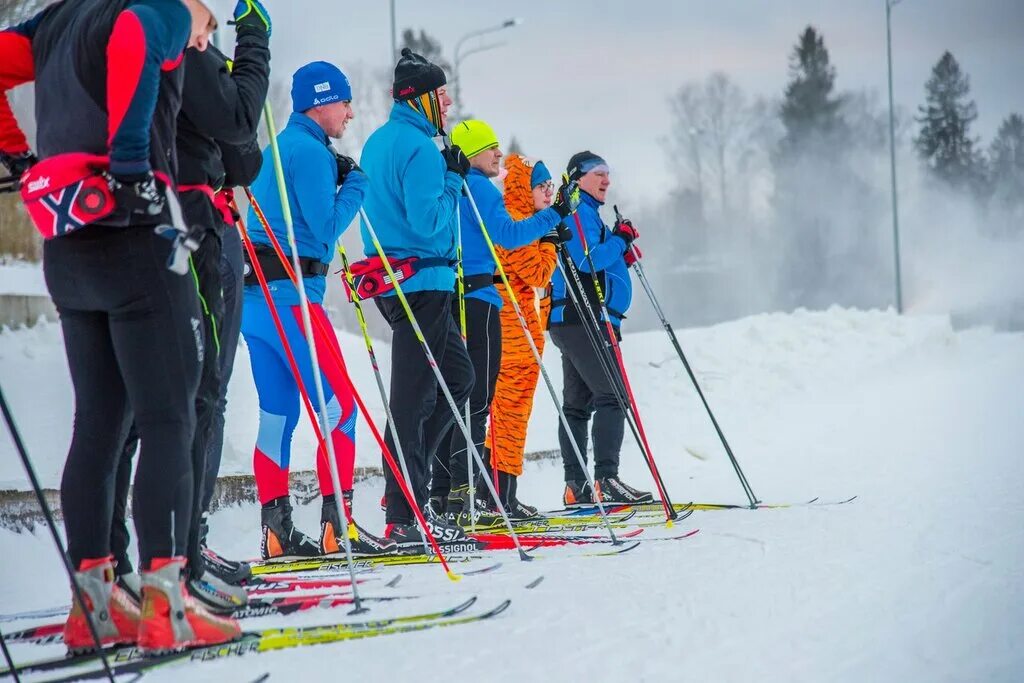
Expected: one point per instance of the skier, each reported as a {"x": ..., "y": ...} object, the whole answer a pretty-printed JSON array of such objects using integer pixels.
[
  {"x": 586, "y": 389},
  {"x": 412, "y": 197},
  {"x": 483, "y": 304},
  {"x": 528, "y": 188},
  {"x": 325, "y": 190},
  {"x": 216, "y": 145},
  {"x": 127, "y": 315}
]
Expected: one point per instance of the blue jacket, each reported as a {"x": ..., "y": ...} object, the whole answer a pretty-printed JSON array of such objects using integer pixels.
[
  {"x": 412, "y": 197},
  {"x": 505, "y": 232},
  {"x": 606, "y": 251},
  {"x": 320, "y": 210}
]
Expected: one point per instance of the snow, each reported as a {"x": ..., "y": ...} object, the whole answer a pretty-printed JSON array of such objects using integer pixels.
[
  {"x": 918, "y": 579},
  {"x": 22, "y": 278}
]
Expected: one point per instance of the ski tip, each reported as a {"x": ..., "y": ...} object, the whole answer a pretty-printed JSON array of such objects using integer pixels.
[
  {"x": 536, "y": 582},
  {"x": 499, "y": 609},
  {"x": 394, "y": 582},
  {"x": 453, "y": 576}
]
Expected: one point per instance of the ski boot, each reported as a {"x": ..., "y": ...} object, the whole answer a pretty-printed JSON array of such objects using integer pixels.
[
  {"x": 517, "y": 510},
  {"x": 113, "y": 612},
  {"x": 459, "y": 510},
  {"x": 232, "y": 572},
  {"x": 216, "y": 595},
  {"x": 614, "y": 490},
  {"x": 408, "y": 535},
  {"x": 577, "y": 493},
  {"x": 173, "y": 620},
  {"x": 362, "y": 541},
  {"x": 438, "y": 505},
  {"x": 280, "y": 539},
  {"x": 131, "y": 584}
]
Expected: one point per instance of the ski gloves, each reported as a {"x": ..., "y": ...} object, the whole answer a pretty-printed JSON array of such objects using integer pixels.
[
  {"x": 456, "y": 160},
  {"x": 16, "y": 165},
  {"x": 625, "y": 231},
  {"x": 139, "y": 194},
  {"x": 345, "y": 166},
  {"x": 567, "y": 199},
  {"x": 559, "y": 234},
  {"x": 252, "y": 15}
]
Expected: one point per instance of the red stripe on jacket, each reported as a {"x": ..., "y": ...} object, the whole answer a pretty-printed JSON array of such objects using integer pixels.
[
  {"x": 17, "y": 66},
  {"x": 126, "y": 55}
]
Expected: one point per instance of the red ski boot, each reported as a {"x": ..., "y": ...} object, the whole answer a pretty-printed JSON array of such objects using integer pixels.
[{"x": 113, "y": 612}]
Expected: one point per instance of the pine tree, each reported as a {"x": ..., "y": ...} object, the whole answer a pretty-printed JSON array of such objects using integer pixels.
[
  {"x": 1006, "y": 165},
  {"x": 809, "y": 107},
  {"x": 426, "y": 45},
  {"x": 944, "y": 142}
]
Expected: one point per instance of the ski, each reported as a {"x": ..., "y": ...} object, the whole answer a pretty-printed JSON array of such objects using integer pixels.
[
  {"x": 656, "y": 508},
  {"x": 51, "y": 634},
  {"x": 584, "y": 523},
  {"x": 330, "y": 564},
  {"x": 129, "y": 659}
]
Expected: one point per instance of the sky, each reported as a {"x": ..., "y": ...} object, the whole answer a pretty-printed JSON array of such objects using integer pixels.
[{"x": 597, "y": 75}]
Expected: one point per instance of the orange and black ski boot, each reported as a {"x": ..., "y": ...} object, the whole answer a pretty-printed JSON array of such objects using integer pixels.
[
  {"x": 361, "y": 540},
  {"x": 280, "y": 540}
]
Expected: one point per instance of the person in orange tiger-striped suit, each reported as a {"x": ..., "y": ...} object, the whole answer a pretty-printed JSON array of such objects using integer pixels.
[{"x": 528, "y": 189}]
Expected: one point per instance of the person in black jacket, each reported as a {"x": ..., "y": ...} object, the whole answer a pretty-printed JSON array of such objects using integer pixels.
[
  {"x": 216, "y": 144},
  {"x": 109, "y": 85}
]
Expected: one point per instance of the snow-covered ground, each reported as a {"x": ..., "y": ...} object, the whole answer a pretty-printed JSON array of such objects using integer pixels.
[
  {"x": 22, "y": 278},
  {"x": 919, "y": 579}
]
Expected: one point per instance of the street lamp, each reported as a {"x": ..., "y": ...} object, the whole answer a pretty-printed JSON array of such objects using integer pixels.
[
  {"x": 889, "y": 4},
  {"x": 460, "y": 55}
]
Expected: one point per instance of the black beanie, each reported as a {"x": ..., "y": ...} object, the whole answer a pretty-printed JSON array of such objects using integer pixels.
[
  {"x": 415, "y": 76},
  {"x": 582, "y": 163}
]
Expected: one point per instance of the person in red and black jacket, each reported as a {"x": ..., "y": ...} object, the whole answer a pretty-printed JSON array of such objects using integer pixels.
[{"x": 108, "y": 83}]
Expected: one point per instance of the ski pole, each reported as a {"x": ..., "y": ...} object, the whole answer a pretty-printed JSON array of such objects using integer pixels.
[
  {"x": 349, "y": 281},
  {"x": 642, "y": 276},
  {"x": 7, "y": 657},
  {"x": 432, "y": 362},
  {"x": 340, "y": 364},
  {"x": 537, "y": 357},
  {"x": 65, "y": 559},
  {"x": 670, "y": 513},
  {"x": 307, "y": 328}
]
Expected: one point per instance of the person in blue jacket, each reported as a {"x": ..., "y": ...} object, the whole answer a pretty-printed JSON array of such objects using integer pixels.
[
  {"x": 411, "y": 201},
  {"x": 586, "y": 389},
  {"x": 483, "y": 304},
  {"x": 325, "y": 191}
]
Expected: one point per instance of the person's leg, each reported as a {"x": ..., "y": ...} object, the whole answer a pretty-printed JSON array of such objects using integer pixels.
[
  {"x": 609, "y": 420},
  {"x": 120, "y": 537},
  {"x": 576, "y": 401},
  {"x": 483, "y": 326}
]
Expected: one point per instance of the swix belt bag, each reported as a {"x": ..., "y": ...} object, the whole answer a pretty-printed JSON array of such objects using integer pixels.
[
  {"x": 370, "y": 277},
  {"x": 67, "y": 192}
]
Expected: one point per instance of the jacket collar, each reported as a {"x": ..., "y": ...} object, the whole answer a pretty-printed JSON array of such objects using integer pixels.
[
  {"x": 303, "y": 122},
  {"x": 403, "y": 113},
  {"x": 590, "y": 200}
]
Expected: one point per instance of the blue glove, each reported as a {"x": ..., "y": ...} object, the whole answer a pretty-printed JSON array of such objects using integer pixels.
[{"x": 251, "y": 14}]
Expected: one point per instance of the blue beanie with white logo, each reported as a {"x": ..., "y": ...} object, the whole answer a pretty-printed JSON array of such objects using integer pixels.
[{"x": 319, "y": 83}]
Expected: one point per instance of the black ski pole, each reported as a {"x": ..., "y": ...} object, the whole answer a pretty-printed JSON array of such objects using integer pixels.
[
  {"x": 642, "y": 276},
  {"x": 76, "y": 589},
  {"x": 7, "y": 656}
]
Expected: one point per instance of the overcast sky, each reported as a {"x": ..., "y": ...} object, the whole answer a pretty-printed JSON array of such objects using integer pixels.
[{"x": 596, "y": 74}]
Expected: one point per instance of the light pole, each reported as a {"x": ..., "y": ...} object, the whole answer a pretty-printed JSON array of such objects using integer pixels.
[
  {"x": 460, "y": 55},
  {"x": 889, "y": 4},
  {"x": 394, "y": 36}
]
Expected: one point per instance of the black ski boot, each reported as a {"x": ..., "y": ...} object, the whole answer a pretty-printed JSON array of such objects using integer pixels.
[
  {"x": 438, "y": 505},
  {"x": 231, "y": 572},
  {"x": 517, "y": 510},
  {"x": 361, "y": 540},
  {"x": 280, "y": 540},
  {"x": 408, "y": 536},
  {"x": 613, "y": 490},
  {"x": 459, "y": 509},
  {"x": 577, "y": 493}
]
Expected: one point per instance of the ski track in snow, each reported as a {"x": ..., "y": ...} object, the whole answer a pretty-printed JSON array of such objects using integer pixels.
[{"x": 920, "y": 578}]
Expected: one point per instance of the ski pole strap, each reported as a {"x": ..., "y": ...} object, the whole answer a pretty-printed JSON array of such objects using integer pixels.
[
  {"x": 273, "y": 269},
  {"x": 473, "y": 283},
  {"x": 370, "y": 278}
]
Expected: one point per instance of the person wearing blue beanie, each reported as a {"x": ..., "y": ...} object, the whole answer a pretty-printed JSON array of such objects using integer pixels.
[{"x": 325, "y": 191}]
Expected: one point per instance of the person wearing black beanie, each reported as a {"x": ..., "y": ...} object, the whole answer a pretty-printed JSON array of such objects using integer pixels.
[{"x": 412, "y": 197}]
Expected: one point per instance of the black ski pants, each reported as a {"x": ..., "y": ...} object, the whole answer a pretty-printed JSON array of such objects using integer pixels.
[
  {"x": 422, "y": 416},
  {"x": 587, "y": 392},
  {"x": 483, "y": 342},
  {"x": 134, "y": 348}
]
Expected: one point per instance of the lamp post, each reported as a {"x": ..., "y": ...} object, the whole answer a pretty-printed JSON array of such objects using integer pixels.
[
  {"x": 394, "y": 35},
  {"x": 460, "y": 55},
  {"x": 889, "y": 4}
]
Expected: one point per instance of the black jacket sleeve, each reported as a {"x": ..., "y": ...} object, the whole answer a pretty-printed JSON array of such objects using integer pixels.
[
  {"x": 225, "y": 102},
  {"x": 242, "y": 163}
]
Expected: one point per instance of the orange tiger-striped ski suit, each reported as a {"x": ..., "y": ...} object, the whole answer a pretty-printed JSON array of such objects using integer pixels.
[{"x": 527, "y": 267}]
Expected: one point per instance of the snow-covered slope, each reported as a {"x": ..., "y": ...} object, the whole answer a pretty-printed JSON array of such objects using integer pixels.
[{"x": 919, "y": 579}]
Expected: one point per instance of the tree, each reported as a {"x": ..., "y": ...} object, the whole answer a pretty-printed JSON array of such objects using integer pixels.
[
  {"x": 944, "y": 142},
  {"x": 426, "y": 45},
  {"x": 1006, "y": 167},
  {"x": 809, "y": 109}
]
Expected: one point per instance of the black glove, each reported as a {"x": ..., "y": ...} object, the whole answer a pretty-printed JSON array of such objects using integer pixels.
[
  {"x": 345, "y": 166},
  {"x": 456, "y": 160},
  {"x": 567, "y": 199},
  {"x": 17, "y": 164},
  {"x": 139, "y": 194},
  {"x": 624, "y": 230},
  {"x": 560, "y": 234}
]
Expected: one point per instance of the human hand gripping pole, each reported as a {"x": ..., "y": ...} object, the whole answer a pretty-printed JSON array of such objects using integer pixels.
[
  {"x": 634, "y": 263},
  {"x": 536, "y": 353},
  {"x": 343, "y": 370},
  {"x": 432, "y": 362}
]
